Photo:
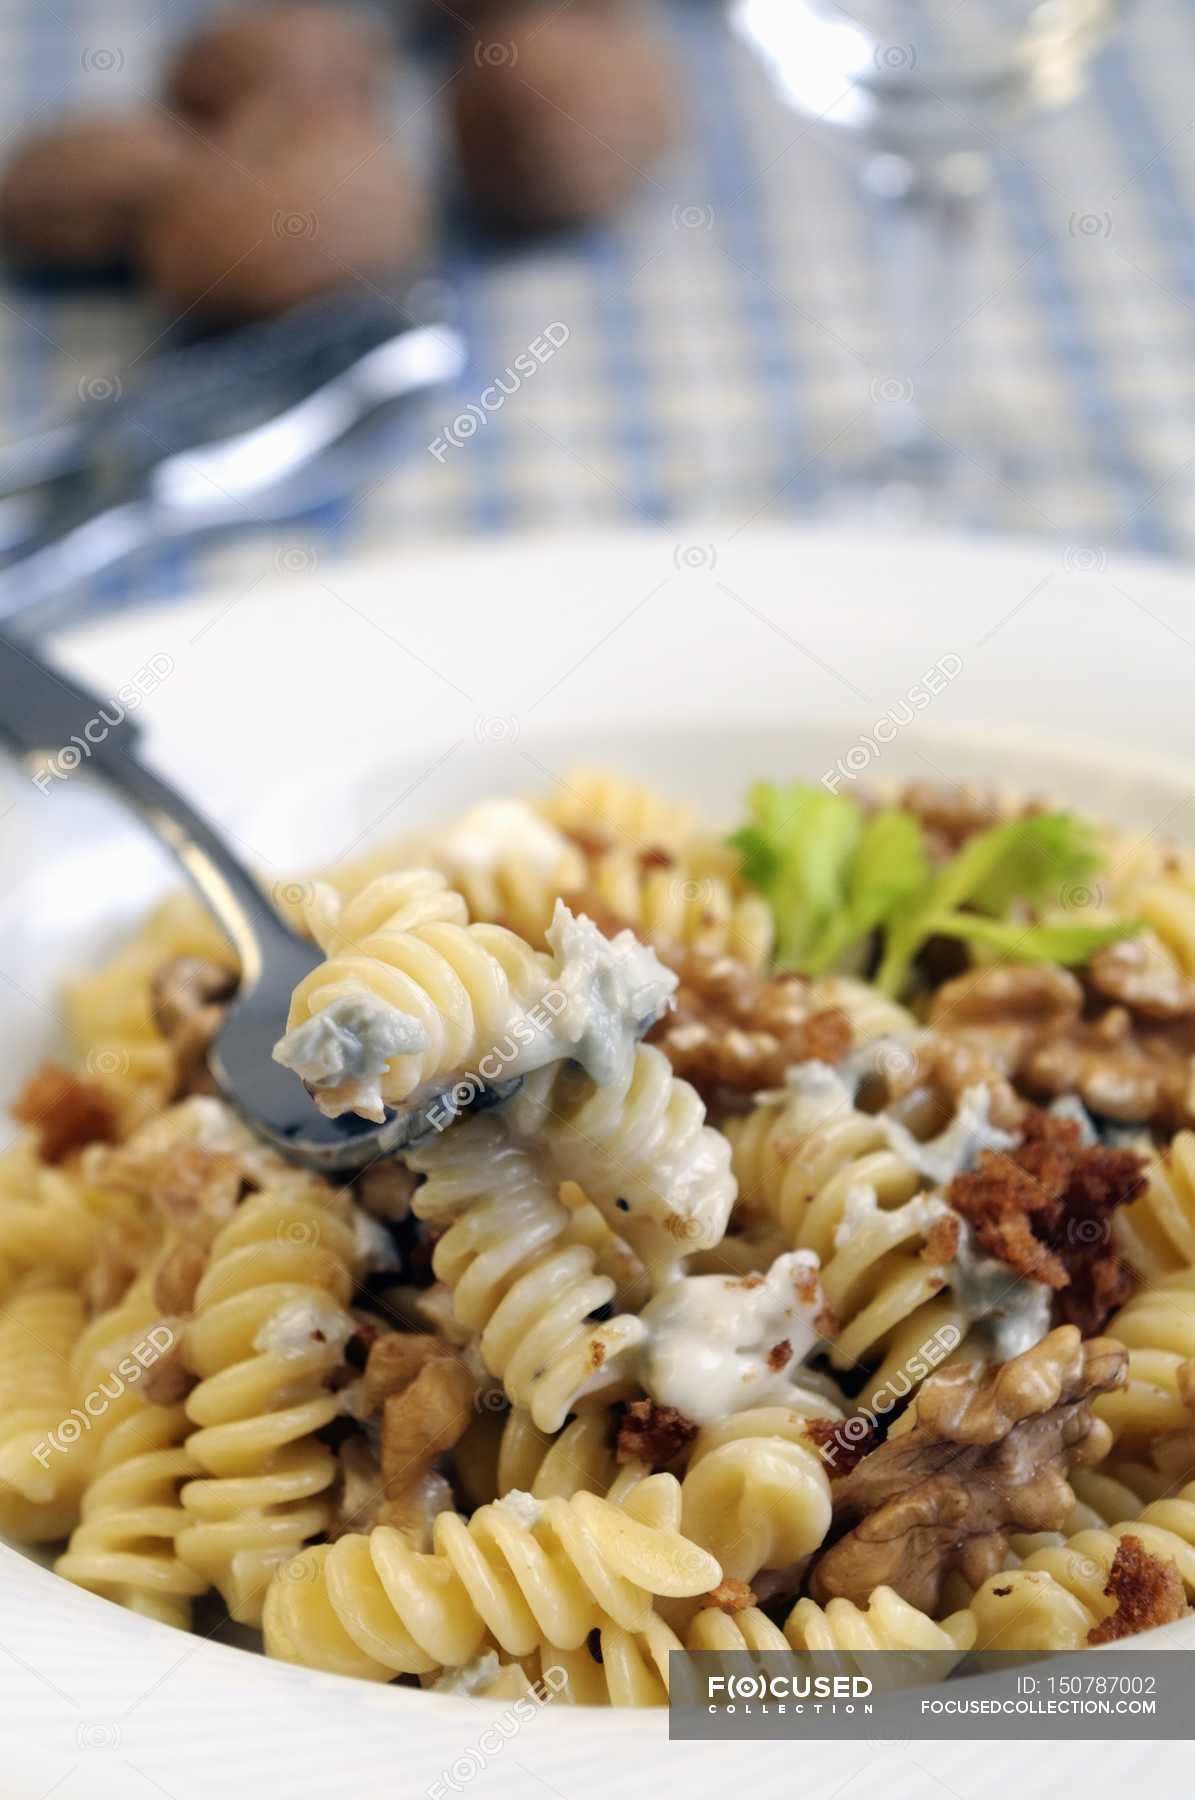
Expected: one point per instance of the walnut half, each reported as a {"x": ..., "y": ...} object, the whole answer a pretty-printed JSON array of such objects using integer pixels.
[{"x": 988, "y": 1455}]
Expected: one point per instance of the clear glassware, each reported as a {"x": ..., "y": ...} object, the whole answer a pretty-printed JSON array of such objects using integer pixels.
[{"x": 924, "y": 89}]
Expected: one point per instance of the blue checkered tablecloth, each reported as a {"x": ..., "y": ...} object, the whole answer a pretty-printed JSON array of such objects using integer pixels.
[{"x": 724, "y": 333}]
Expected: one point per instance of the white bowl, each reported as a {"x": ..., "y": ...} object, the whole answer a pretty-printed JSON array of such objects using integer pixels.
[{"x": 316, "y": 709}]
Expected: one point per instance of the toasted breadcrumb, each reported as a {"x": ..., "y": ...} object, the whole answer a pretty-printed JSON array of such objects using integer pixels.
[
  {"x": 653, "y": 1434},
  {"x": 66, "y": 1111},
  {"x": 1148, "y": 1590},
  {"x": 731, "y": 1596},
  {"x": 941, "y": 1241},
  {"x": 1045, "y": 1209}
]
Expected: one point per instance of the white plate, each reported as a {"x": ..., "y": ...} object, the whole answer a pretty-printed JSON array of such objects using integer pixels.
[{"x": 324, "y": 706}]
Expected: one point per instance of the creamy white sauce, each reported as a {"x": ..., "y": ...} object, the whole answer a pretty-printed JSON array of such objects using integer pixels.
[
  {"x": 373, "y": 1243},
  {"x": 305, "y": 1327},
  {"x": 862, "y": 1206},
  {"x": 614, "y": 990},
  {"x": 822, "y": 1086},
  {"x": 1011, "y": 1313},
  {"x": 957, "y": 1148},
  {"x": 470, "y": 1678},
  {"x": 348, "y": 1046},
  {"x": 522, "y": 1506},
  {"x": 1069, "y": 1106},
  {"x": 422, "y": 1503},
  {"x": 893, "y": 1050},
  {"x": 709, "y": 1336},
  {"x": 496, "y": 832}
]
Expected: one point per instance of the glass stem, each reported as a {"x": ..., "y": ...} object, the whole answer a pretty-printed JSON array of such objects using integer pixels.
[{"x": 922, "y": 212}]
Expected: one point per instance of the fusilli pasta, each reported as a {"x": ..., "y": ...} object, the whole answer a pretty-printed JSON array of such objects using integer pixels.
[
  {"x": 830, "y": 1177},
  {"x": 268, "y": 1331},
  {"x": 43, "y": 1461},
  {"x": 515, "y": 1277},
  {"x": 111, "y": 1014},
  {"x": 755, "y": 1491},
  {"x": 886, "y": 1623},
  {"x": 51, "y": 1219},
  {"x": 640, "y": 1148},
  {"x": 525, "y": 1571},
  {"x": 632, "y": 814},
  {"x": 123, "y": 1545}
]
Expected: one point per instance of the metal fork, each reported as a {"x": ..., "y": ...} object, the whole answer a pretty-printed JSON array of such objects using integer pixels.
[
  {"x": 244, "y": 428},
  {"x": 42, "y": 709}
]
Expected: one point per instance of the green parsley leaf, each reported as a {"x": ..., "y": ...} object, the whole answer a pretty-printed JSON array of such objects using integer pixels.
[{"x": 1035, "y": 859}]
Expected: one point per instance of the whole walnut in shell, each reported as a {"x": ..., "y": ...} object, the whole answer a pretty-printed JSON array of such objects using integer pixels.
[
  {"x": 291, "y": 201},
  {"x": 74, "y": 197},
  {"x": 558, "y": 114},
  {"x": 292, "y": 46}
]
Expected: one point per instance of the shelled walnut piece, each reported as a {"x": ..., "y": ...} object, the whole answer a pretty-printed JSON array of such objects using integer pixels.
[
  {"x": 1030, "y": 1021},
  {"x": 930, "y": 1072},
  {"x": 188, "y": 998},
  {"x": 987, "y": 1456},
  {"x": 192, "y": 1165},
  {"x": 730, "y": 1028},
  {"x": 951, "y": 812},
  {"x": 423, "y": 1396}
]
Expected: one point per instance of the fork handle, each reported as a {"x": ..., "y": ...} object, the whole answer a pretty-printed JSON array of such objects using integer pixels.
[{"x": 44, "y": 714}]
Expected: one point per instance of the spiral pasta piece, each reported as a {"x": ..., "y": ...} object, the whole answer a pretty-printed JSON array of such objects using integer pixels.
[
  {"x": 507, "y": 862},
  {"x": 613, "y": 1256},
  {"x": 1157, "y": 1327},
  {"x": 887, "y": 1622},
  {"x": 110, "y": 1010},
  {"x": 123, "y": 1545},
  {"x": 1156, "y": 1232},
  {"x": 755, "y": 1491},
  {"x": 630, "y": 1670},
  {"x": 640, "y": 1147},
  {"x": 632, "y": 814},
  {"x": 43, "y": 1465},
  {"x": 1165, "y": 903},
  {"x": 130, "y": 1516},
  {"x": 404, "y": 944},
  {"x": 871, "y": 1014},
  {"x": 51, "y": 1219},
  {"x": 515, "y": 1276},
  {"x": 672, "y": 904},
  {"x": 1106, "y": 1495},
  {"x": 504, "y": 1452},
  {"x": 1056, "y": 1598},
  {"x": 267, "y": 1333},
  {"x": 526, "y": 1572},
  {"x": 831, "y": 1180}
]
